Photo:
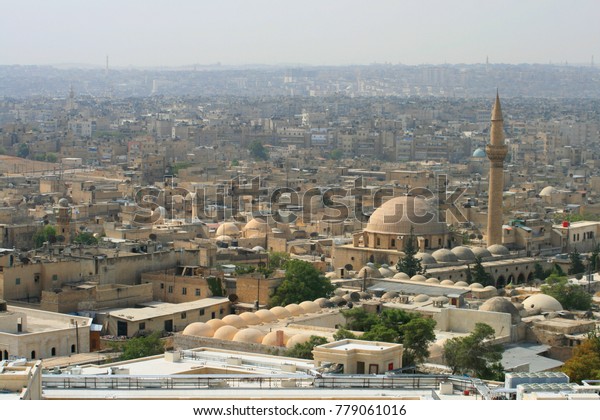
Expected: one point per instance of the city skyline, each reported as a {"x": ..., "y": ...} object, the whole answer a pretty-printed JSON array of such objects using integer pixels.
[{"x": 150, "y": 34}]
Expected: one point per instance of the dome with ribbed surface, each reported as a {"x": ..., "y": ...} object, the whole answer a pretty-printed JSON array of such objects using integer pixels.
[{"x": 405, "y": 214}]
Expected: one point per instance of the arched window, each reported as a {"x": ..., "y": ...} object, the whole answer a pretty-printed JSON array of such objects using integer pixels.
[{"x": 53, "y": 351}]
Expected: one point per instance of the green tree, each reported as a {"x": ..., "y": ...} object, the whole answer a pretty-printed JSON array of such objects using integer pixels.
[
  {"x": 585, "y": 363},
  {"x": 85, "y": 238},
  {"x": 302, "y": 282},
  {"x": 538, "y": 272},
  {"x": 479, "y": 275},
  {"x": 258, "y": 151},
  {"x": 304, "y": 350},
  {"x": 577, "y": 265},
  {"x": 413, "y": 331},
  {"x": 144, "y": 346},
  {"x": 51, "y": 157},
  {"x": 278, "y": 260},
  {"x": 594, "y": 259},
  {"x": 570, "y": 296},
  {"x": 336, "y": 154},
  {"x": 23, "y": 150},
  {"x": 474, "y": 354},
  {"x": 409, "y": 264},
  {"x": 215, "y": 286},
  {"x": 44, "y": 234},
  {"x": 343, "y": 333}
]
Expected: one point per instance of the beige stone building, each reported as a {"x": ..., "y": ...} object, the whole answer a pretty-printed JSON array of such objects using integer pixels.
[{"x": 359, "y": 356}]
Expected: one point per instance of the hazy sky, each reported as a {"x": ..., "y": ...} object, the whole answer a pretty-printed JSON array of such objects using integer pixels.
[{"x": 318, "y": 32}]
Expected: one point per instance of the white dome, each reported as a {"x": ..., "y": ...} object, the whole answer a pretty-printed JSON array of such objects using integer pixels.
[
  {"x": 547, "y": 191},
  {"x": 421, "y": 298},
  {"x": 498, "y": 250},
  {"x": 461, "y": 284},
  {"x": 463, "y": 253},
  {"x": 432, "y": 281},
  {"x": 401, "y": 276},
  {"x": 543, "y": 302},
  {"x": 476, "y": 286},
  {"x": 447, "y": 282},
  {"x": 386, "y": 272},
  {"x": 444, "y": 256},
  {"x": 418, "y": 277}
]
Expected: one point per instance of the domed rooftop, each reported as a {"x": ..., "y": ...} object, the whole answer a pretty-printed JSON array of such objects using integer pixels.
[
  {"x": 234, "y": 320},
  {"x": 295, "y": 309},
  {"x": 499, "y": 304},
  {"x": 386, "y": 272},
  {"x": 249, "y": 335},
  {"x": 271, "y": 339},
  {"x": 498, "y": 249},
  {"x": 250, "y": 318},
  {"x": 229, "y": 229},
  {"x": 461, "y": 284},
  {"x": 479, "y": 153},
  {"x": 297, "y": 339},
  {"x": 547, "y": 191},
  {"x": 418, "y": 277},
  {"x": 280, "y": 312},
  {"x": 258, "y": 248},
  {"x": 444, "y": 256},
  {"x": 401, "y": 214},
  {"x": 321, "y": 302},
  {"x": 260, "y": 226},
  {"x": 198, "y": 329},
  {"x": 63, "y": 202},
  {"x": 481, "y": 252},
  {"x": 401, "y": 276},
  {"x": 265, "y": 315},
  {"x": 389, "y": 295},
  {"x": 447, "y": 282},
  {"x": 226, "y": 332},
  {"x": 543, "y": 302},
  {"x": 310, "y": 307},
  {"x": 463, "y": 253},
  {"x": 432, "y": 281},
  {"x": 224, "y": 238},
  {"x": 489, "y": 288},
  {"x": 371, "y": 272},
  {"x": 421, "y": 298},
  {"x": 215, "y": 324},
  {"x": 425, "y": 257},
  {"x": 476, "y": 286}
]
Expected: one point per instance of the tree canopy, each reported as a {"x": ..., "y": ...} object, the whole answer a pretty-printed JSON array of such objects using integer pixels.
[
  {"x": 413, "y": 331},
  {"x": 409, "y": 264},
  {"x": 576, "y": 266},
  {"x": 479, "y": 275},
  {"x": 44, "y": 234},
  {"x": 302, "y": 282},
  {"x": 144, "y": 346},
  {"x": 85, "y": 238},
  {"x": 585, "y": 363},
  {"x": 474, "y": 354},
  {"x": 304, "y": 350},
  {"x": 570, "y": 296},
  {"x": 258, "y": 151}
]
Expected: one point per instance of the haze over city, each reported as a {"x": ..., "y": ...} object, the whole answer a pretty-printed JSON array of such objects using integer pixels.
[{"x": 235, "y": 32}]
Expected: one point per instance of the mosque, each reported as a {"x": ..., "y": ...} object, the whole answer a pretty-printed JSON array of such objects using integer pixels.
[{"x": 440, "y": 249}]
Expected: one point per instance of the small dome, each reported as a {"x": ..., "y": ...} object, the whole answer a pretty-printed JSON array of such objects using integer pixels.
[
  {"x": 215, "y": 324},
  {"x": 271, "y": 339},
  {"x": 547, "y": 191},
  {"x": 250, "y": 318},
  {"x": 543, "y": 302},
  {"x": 249, "y": 335},
  {"x": 432, "y": 281},
  {"x": 338, "y": 300},
  {"x": 265, "y": 315},
  {"x": 63, "y": 202},
  {"x": 499, "y": 304},
  {"x": 310, "y": 307},
  {"x": 258, "y": 248},
  {"x": 389, "y": 295},
  {"x": 198, "y": 329},
  {"x": 226, "y": 332},
  {"x": 280, "y": 312},
  {"x": 441, "y": 299},
  {"x": 371, "y": 272},
  {"x": 489, "y": 288},
  {"x": 461, "y": 284},
  {"x": 476, "y": 286},
  {"x": 463, "y": 253},
  {"x": 401, "y": 276},
  {"x": 421, "y": 298},
  {"x": 256, "y": 227},
  {"x": 447, "y": 282},
  {"x": 498, "y": 250},
  {"x": 321, "y": 302},
  {"x": 386, "y": 272},
  {"x": 425, "y": 257},
  {"x": 339, "y": 292},
  {"x": 444, "y": 255},
  {"x": 364, "y": 295},
  {"x": 331, "y": 275},
  {"x": 418, "y": 277},
  {"x": 297, "y": 339},
  {"x": 234, "y": 320},
  {"x": 479, "y": 153},
  {"x": 295, "y": 309},
  {"x": 481, "y": 252},
  {"x": 229, "y": 229}
]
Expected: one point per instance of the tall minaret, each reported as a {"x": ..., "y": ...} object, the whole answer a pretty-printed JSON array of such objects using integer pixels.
[{"x": 496, "y": 152}]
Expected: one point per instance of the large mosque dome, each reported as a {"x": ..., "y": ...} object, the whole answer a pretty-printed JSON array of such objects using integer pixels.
[{"x": 399, "y": 214}]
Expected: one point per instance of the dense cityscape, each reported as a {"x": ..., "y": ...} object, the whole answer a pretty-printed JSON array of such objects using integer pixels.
[{"x": 174, "y": 233}]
